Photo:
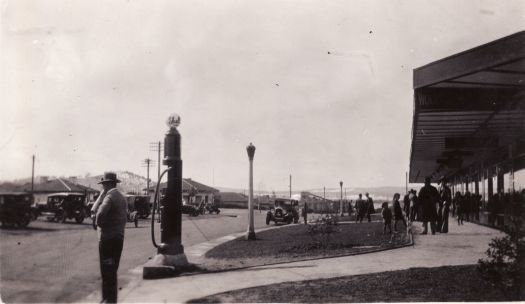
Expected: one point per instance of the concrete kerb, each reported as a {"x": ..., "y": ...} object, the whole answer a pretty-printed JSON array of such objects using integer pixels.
[
  {"x": 196, "y": 252},
  {"x": 433, "y": 252}
]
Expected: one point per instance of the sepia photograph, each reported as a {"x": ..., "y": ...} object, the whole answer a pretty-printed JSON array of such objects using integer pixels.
[{"x": 262, "y": 151}]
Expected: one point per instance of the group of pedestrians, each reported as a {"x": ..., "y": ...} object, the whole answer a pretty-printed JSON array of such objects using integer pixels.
[
  {"x": 466, "y": 206},
  {"x": 364, "y": 207},
  {"x": 434, "y": 206},
  {"x": 430, "y": 206},
  {"x": 387, "y": 215}
]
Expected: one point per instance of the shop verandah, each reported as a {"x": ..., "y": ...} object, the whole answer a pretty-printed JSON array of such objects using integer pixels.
[{"x": 469, "y": 125}]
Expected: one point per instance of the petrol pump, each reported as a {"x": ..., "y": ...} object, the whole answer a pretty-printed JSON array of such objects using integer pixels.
[{"x": 170, "y": 258}]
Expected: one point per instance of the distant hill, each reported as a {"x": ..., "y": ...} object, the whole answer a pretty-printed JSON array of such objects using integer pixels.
[
  {"x": 382, "y": 193},
  {"x": 130, "y": 182}
]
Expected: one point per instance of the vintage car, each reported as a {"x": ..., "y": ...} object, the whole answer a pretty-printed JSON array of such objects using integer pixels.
[
  {"x": 140, "y": 204},
  {"x": 283, "y": 211},
  {"x": 66, "y": 205},
  {"x": 133, "y": 214},
  {"x": 15, "y": 209},
  {"x": 212, "y": 208}
]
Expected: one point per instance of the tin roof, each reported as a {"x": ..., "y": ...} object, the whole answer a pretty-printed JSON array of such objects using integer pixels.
[{"x": 49, "y": 186}]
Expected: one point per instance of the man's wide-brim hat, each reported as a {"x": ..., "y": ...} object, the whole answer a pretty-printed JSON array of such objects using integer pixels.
[{"x": 109, "y": 177}]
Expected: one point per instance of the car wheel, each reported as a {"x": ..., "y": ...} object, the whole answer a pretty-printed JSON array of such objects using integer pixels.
[
  {"x": 267, "y": 220},
  {"x": 136, "y": 222},
  {"x": 24, "y": 221},
  {"x": 79, "y": 219}
]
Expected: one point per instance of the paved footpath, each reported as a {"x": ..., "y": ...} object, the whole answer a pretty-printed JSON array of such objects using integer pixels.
[{"x": 462, "y": 245}]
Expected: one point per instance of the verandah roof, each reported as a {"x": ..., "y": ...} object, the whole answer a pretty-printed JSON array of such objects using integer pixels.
[{"x": 469, "y": 109}]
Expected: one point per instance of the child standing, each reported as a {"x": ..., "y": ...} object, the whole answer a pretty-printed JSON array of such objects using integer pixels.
[
  {"x": 387, "y": 218},
  {"x": 398, "y": 212}
]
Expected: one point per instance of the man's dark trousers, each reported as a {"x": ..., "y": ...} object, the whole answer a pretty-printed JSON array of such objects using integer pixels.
[{"x": 109, "y": 252}]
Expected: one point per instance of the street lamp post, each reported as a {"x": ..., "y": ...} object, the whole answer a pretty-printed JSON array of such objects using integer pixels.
[
  {"x": 341, "y": 201},
  {"x": 251, "y": 231}
]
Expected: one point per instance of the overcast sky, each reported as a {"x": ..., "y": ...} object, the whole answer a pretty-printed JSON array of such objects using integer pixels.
[{"x": 323, "y": 89}]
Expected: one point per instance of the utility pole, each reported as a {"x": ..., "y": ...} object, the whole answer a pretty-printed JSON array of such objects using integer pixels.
[
  {"x": 147, "y": 163},
  {"x": 290, "y": 186},
  {"x": 156, "y": 147},
  {"x": 324, "y": 197},
  {"x": 406, "y": 182},
  {"x": 341, "y": 201},
  {"x": 33, "y": 175}
]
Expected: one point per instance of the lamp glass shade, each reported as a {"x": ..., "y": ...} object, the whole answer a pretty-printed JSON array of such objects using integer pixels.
[
  {"x": 251, "y": 150},
  {"x": 173, "y": 121}
]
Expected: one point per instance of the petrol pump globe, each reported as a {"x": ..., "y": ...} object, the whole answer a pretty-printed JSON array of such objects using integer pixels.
[
  {"x": 173, "y": 121},
  {"x": 251, "y": 151}
]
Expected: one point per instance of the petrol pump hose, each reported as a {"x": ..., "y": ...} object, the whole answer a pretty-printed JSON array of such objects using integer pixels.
[{"x": 155, "y": 203}]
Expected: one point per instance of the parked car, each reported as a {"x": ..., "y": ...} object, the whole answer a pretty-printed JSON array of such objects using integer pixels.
[
  {"x": 192, "y": 210},
  {"x": 63, "y": 206},
  {"x": 133, "y": 214},
  {"x": 15, "y": 209},
  {"x": 283, "y": 211},
  {"x": 212, "y": 208},
  {"x": 37, "y": 207},
  {"x": 141, "y": 205}
]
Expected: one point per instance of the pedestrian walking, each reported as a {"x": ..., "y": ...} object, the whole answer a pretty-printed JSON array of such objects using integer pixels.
[
  {"x": 110, "y": 217},
  {"x": 458, "y": 201},
  {"x": 386, "y": 214},
  {"x": 446, "y": 201},
  {"x": 370, "y": 209},
  {"x": 406, "y": 203},
  {"x": 361, "y": 210},
  {"x": 428, "y": 197},
  {"x": 305, "y": 213},
  {"x": 413, "y": 211},
  {"x": 398, "y": 212}
]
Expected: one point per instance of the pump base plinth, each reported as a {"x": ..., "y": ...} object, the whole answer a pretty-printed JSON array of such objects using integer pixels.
[{"x": 165, "y": 266}]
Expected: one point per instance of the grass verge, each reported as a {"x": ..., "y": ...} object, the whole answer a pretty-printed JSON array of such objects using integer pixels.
[
  {"x": 440, "y": 284},
  {"x": 297, "y": 243}
]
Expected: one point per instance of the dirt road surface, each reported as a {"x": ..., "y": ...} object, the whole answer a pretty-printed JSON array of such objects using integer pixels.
[{"x": 55, "y": 262}]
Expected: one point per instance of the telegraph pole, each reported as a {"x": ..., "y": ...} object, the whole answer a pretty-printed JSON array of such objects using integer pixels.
[
  {"x": 156, "y": 147},
  {"x": 290, "y": 186},
  {"x": 147, "y": 163},
  {"x": 33, "y": 176},
  {"x": 406, "y": 182},
  {"x": 341, "y": 201}
]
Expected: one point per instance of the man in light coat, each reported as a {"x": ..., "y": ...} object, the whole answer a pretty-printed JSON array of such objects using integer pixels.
[{"x": 110, "y": 211}]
